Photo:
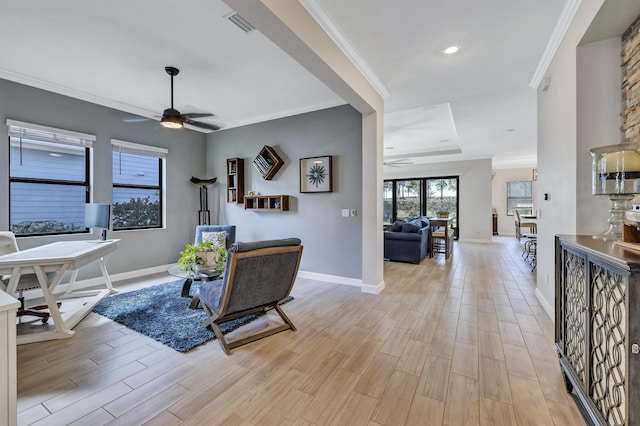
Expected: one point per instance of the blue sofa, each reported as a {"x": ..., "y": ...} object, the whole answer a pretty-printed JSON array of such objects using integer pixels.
[{"x": 408, "y": 240}]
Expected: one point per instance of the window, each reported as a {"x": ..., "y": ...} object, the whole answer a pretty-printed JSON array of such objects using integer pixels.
[
  {"x": 137, "y": 186},
  {"x": 48, "y": 179},
  {"x": 519, "y": 197}
]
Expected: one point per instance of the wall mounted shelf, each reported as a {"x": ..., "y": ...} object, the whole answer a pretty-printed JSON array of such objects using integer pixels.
[
  {"x": 273, "y": 203},
  {"x": 267, "y": 162},
  {"x": 235, "y": 180}
]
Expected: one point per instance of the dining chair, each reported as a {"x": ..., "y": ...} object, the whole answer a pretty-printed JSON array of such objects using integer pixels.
[{"x": 530, "y": 224}]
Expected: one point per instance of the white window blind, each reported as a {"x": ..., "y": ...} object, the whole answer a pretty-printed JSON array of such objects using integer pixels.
[
  {"x": 138, "y": 149},
  {"x": 37, "y": 132}
]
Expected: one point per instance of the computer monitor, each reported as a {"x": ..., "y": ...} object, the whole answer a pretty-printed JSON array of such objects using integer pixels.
[{"x": 98, "y": 216}]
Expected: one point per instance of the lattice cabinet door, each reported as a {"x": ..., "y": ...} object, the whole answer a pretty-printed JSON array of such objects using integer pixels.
[
  {"x": 607, "y": 349},
  {"x": 598, "y": 327},
  {"x": 574, "y": 318}
]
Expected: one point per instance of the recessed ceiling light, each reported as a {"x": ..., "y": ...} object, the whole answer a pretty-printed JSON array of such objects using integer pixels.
[
  {"x": 388, "y": 147},
  {"x": 451, "y": 49},
  {"x": 444, "y": 140},
  {"x": 55, "y": 154}
]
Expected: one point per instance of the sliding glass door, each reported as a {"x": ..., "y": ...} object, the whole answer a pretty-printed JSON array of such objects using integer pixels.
[
  {"x": 408, "y": 198},
  {"x": 404, "y": 198},
  {"x": 442, "y": 198}
]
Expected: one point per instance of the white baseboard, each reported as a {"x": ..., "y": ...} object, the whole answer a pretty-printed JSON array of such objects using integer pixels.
[
  {"x": 470, "y": 240},
  {"x": 354, "y": 282},
  {"x": 548, "y": 308},
  {"x": 99, "y": 281},
  {"x": 373, "y": 289},
  {"x": 365, "y": 288}
]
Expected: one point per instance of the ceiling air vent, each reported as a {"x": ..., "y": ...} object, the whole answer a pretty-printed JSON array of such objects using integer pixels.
[{"x": 242, "y": 23}]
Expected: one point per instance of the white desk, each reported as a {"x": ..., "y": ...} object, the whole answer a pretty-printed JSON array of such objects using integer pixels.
[{"x": 58, "y": 258}]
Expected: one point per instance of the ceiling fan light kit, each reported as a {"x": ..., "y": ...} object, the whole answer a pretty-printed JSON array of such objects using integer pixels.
[{"x": 173, "y": 119}]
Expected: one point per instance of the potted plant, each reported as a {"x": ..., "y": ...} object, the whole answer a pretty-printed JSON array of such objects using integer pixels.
[
  {"x": 442, "y": 213},
  {"x": 206, "y": 255}
]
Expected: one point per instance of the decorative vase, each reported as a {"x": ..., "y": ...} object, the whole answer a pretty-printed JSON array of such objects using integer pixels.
[{"x": 209, "y": 259}]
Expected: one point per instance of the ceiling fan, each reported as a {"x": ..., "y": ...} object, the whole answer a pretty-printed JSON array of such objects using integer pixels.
[
  {"x": 398, "y": 163},
  {"x": 173, "y": 119}
]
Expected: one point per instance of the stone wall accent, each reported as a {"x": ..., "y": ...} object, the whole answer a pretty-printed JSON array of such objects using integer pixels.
[{"x": 630, "y": 56}]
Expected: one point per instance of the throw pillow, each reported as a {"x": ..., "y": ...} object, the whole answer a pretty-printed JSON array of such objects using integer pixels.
[
  {"x": 410, "y": 227},
  {"x": 417, "y": 222},
  {"x": 219, "y": 239},
  {"x": 397, "y": 226}
]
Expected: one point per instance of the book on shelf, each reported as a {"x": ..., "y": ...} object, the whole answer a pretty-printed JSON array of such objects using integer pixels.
[
  {"x": 259, "y": 167},
  {"x": 263, "y": 162}
]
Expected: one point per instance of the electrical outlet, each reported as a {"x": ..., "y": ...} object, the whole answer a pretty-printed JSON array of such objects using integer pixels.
[
  {"x": 345, "y": 212},
  {"x": 353, "y": 212}
]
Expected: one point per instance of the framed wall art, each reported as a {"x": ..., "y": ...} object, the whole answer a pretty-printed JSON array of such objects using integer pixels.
[{"x": 316, "y": 174}]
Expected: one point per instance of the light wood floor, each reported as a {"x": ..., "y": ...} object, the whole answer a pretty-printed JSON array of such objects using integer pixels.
[{"x": 456, "y": 342}]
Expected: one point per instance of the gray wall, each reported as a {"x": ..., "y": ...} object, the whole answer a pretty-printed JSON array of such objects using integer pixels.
[
  {"x": 474, "y": 216},
  {"x": 137, "y": 249},
  {"x": 332, "y": 244}
]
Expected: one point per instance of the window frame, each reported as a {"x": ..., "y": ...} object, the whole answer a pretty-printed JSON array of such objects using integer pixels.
[
  {"x": 61, "y": 137},
  {"x": 147, "y": 151},
  {"x": 527, "y": 187}
]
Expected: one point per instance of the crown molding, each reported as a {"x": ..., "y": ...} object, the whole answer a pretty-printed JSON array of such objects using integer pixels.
[
  {"x": 73, "y": 93},
  {"x": 284, "y": 114},
  {"x": 323, "y": 19},
  {"x": 564, "y": 21},
  {"x": 110, "y": 103}
]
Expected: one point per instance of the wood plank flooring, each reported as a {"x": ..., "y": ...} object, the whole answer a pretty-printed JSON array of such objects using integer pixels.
[{"x": 461, "y": 341}]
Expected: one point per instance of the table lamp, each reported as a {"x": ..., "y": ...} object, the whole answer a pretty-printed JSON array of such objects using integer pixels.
[{"x": 616, "y": 173}]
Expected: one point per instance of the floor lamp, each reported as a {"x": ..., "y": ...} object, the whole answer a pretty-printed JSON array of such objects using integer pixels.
[{"x": 204, "y": 217}]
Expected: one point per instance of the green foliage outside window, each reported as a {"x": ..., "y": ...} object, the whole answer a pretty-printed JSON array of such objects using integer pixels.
[{"x": 137, "y": 213}]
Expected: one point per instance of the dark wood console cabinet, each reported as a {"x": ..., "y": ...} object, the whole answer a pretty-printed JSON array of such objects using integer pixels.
[{"x": 598, "y": 327}]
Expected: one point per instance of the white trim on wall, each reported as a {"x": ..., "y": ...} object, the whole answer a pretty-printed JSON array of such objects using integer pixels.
[{"x": 564, "y": 21}]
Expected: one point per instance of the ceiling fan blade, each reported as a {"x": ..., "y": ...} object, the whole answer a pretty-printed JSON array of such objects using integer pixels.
[
  {"x": 197, "y": 115},
  {"x": 135, "y": 119},
  {"x": 398, "y": 163},
  {"x": 201, "y": 125}
]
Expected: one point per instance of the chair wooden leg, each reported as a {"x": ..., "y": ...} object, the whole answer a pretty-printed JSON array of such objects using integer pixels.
[
  {"x": 284, "y": 317},
  {"x": 220, "y": 336}
]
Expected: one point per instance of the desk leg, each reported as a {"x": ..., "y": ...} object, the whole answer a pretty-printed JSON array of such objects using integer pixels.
[
  {"x": 84, "y": 293},
  {"x": 107, "y": 279},
  {"x": 47, "y": 290}
]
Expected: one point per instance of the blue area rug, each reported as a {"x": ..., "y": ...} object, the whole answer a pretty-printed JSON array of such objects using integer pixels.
[{"x": 160, "y": 313}]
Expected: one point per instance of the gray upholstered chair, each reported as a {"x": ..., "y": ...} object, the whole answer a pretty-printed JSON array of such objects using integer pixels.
[
  {"x": 229, "y": 229},
  {"x": 28, "y": 281},
  {"x": 257, "y": 276}
]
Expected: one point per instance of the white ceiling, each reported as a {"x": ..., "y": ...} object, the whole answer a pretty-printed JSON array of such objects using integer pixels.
[{"x": 477, "y": 101}]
